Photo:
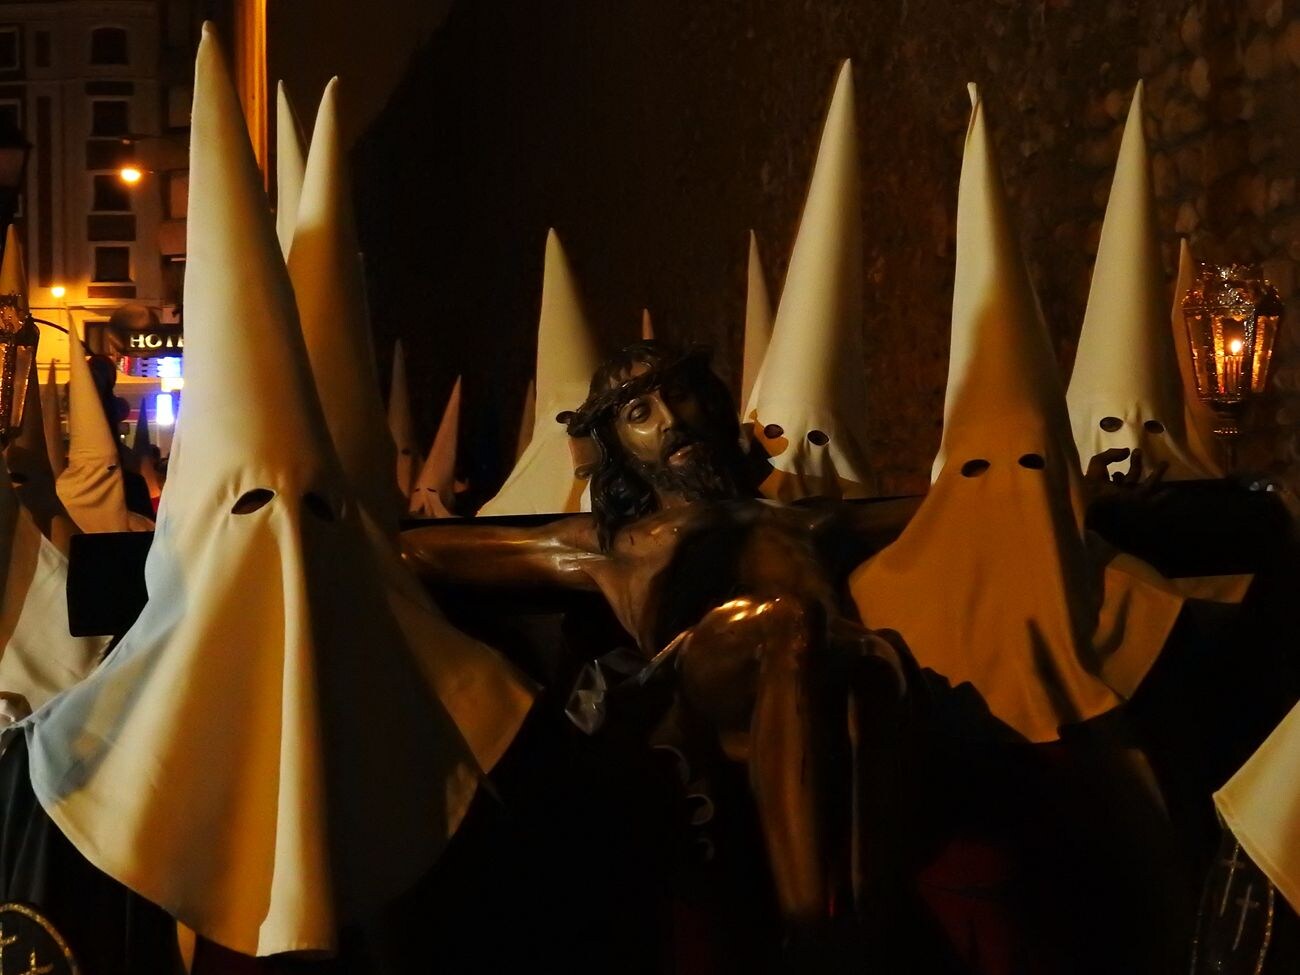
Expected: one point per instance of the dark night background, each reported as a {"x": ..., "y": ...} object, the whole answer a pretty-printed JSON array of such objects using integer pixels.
[{"x": 653, "y": 134}]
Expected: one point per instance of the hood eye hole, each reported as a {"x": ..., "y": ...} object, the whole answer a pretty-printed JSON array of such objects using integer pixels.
[
  {"x": 112, "y": 467},
  {"x": 974, "y": 468},
  {"x": 565, "y": 417},
  {"x": 250, "y": 501},
  {"x": 318, "y": 506},
  {"x": 17, "y": 478},
  {"x": 1034, "y": 462},
  {"x": 773, "y": 430},
  {"x": 817, "y": 438},
  {"x": 1110, "y": 423},
  {"x": 406, "y": 451},
  {"x": 1153, "y": 426}
]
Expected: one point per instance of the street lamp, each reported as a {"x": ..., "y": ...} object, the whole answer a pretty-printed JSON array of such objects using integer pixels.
[{"x": 130, "y": 175}]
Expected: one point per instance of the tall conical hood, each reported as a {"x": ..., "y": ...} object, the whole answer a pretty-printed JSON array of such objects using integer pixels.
[
  {"x": 13, "y": 269},
  {"x": 758, "y": 322},
  {"x": 1125, "y": 390},
  {"x": 52, "y": 416},
  {"x": 27, "y": 455},
  {"x": 527, "y": 420},
  {"x": 266, "y": 590},
  {"x": 1260, "y": 804},
  {"x": 647, "y": 326},
  {"x": 400, "y": 425},
  {"x": 326, "y": 279},
  {"x": 140, "y": 441},
  {"x": 289, "y": 167},
  {"x": 434, "y": 493},
  {"x": 1199, "y": 420},
  {"x": 28, "y": 460},
  {"x": 38, "y": 657},
  {"x": 1001, "y": 370},
  {"x": 543, "y": 480},
  {"x": 808, "y": 407},
  {"x": 142, "y": 447},
  {"x": 991, "y": 583},
  {"x": 91, "y": 486}
]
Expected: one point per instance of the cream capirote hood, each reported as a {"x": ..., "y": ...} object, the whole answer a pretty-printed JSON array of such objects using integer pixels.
[
  {"x": 486, "y": 696},
  {"x": 808, "y": 405},
  {"x": 27, "y": 455},
  {"x": 1125, "y": 390},
  {"x": 401, "y": 426},
  {"x": 435, "y": 488},
  {"x": 38, "y": 656},
  {"x": 992, "y": 583},
  {"x": 543, "y": 479},
  {"x": 52, "y": 417},
  {"x": 326, "y": 275},
  {"x": 758, "y": 322},
  {"x": 91, "y": 486},
  {"x": 290, "y": 165},
  {"x": 1261, "y": 806},
  {"x": 261, "y": 755}
]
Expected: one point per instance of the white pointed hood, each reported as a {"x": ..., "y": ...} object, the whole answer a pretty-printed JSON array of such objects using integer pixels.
[
  {"x": 290, "y": 165},
  {"x": 435, "y": 488},
  {"x": 270, "y": 624},
  {"x": 142, "y": 447},
  {"x": 28, "y": 460},
  {"x": 52, "y": 417},
  {"x": 758, "y": 322},
  {"x": 38, "y": 657},
  {"x": 400, "y": 425},
  {"x": 991, "y": 583},
  {"x": 647, "y": 326},
  {"x": 527, "y": 420},
  {"x": 543, "y": 480},
  {"x": 1198, "y": 418},
  {"x": 91, "y": 487},
  {"x": 1125, "y": 389},
  {"x": 808, "y": 407},
  {"x": 326, "y": 278},
  {"x": 1261, "y": 806},
  {"x": 27, "y": 456}
]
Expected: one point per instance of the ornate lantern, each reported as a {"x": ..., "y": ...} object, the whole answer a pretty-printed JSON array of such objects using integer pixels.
[
  {"x": 18, "y": 338},
  {"x": 1232, "y": 316}
]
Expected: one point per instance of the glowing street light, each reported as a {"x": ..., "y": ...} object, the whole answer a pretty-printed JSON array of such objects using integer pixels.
[
  {"x": 58, "y": 291},
  {"x": 130, "y": 175}
]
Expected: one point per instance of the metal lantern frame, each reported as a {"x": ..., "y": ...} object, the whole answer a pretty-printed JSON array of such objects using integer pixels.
[{"x": 1232, "y": 316}]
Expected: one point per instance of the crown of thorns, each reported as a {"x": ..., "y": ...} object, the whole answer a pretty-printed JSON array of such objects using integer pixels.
[{"x": 603, "y": 405}]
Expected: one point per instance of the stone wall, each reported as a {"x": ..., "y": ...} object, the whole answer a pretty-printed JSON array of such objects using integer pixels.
[{"x": 655, "y": 133}]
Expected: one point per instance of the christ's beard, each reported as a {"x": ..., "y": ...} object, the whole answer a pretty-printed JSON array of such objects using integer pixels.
[{"x": 701, "y": 478}]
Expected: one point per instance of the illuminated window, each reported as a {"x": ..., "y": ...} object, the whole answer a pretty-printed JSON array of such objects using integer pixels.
[{"x": 108, "y": 46}]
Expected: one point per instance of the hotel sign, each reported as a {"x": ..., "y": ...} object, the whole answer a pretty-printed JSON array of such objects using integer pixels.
[{"x": 159, "y": 341}]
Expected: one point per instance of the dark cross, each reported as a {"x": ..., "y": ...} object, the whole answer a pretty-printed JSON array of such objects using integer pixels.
[
  {"x": 1247, "y": 904},
  {"x": 1232, "y": 863}
]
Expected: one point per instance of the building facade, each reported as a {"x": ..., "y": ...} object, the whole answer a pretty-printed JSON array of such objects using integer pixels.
[{"x": 100, "y": 87}]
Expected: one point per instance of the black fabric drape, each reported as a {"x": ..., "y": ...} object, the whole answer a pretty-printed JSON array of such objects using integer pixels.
[{"x": 111, "y": 930}]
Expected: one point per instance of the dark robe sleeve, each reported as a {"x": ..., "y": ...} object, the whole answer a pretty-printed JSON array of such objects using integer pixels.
[{"x": 110, "y": 929}]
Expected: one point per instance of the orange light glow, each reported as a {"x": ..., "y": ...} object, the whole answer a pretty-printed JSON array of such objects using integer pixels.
[
  {"x": 58, "y": 291},
  {"x": 130, "y": 174}
]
